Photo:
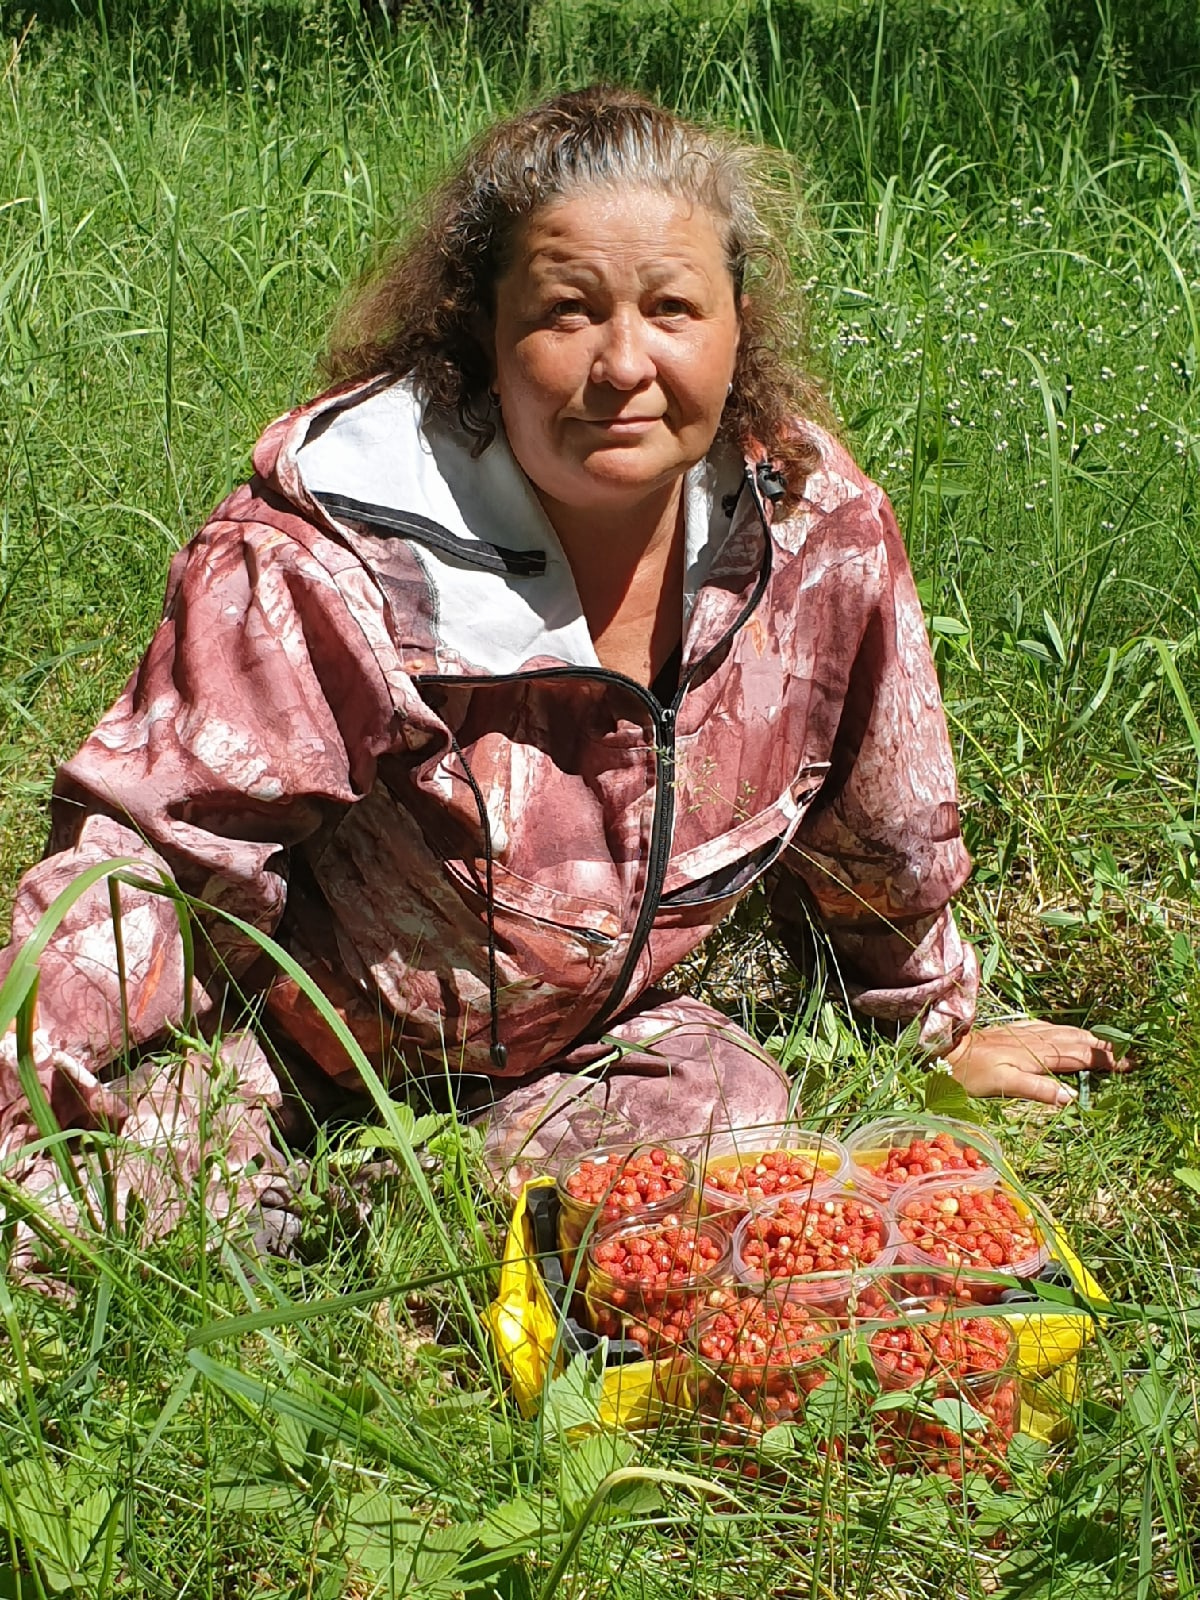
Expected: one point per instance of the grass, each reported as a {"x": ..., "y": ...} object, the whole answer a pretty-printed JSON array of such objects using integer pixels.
[{"x": 1005, "y": 280}]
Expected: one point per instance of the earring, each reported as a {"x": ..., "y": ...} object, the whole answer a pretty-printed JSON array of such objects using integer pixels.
[{"x": 729, "y": 391}]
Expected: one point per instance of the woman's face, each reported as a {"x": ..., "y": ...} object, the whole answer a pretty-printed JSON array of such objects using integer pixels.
[{"x": 615, "y": 334}]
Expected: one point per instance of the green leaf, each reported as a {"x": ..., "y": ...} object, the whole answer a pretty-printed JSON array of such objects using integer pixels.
[
  {"x": 1062, "y": 919},
  {"x": 827, "y": 1413},
  {"x": 415, "y": 1131},
  {"x": 437, "y": 1560},
  {"x": 957, "y": 1414},
  {"x": 946, "y": 1097},
  {"x": 573, "y": 1397},
  {"x": 780, "y": 1441},
  {"x": 382, "y": 1536},
  {"x": 57, "y": 1523},
  {"x": 254, "y": 1498},
  {"x": 1170, "y": 672},
  {"x": 327, "y": 1416},
  {"x": 1111, "y": 1035},
  {"x": 332, "y": 1585},
  {"x": 375, "y": 1508},
  {"x": 515, "y": 1522},
  {"x": 901, "y": 1399},
  {"x": 585, "y": 1466},
  {"x": 1188, "y": 1176},
  {"x": 1054, "y": 636},
  {"x": 1027, "y": 1454},
  {"x": 1035, "y": 648}
]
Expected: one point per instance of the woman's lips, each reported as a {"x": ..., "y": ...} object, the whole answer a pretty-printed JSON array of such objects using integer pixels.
[{"x": 622, "y": 425}]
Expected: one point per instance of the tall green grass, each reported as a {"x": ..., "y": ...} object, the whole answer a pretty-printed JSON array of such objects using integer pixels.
[{"x": 1002, "y": 250}]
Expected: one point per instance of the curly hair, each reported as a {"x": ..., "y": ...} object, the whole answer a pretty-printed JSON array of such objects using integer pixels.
[{"x": 420, "y": 313}]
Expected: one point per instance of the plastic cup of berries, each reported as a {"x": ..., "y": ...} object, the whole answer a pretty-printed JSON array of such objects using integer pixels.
[
  {"x": 887, "y": 1154},
  {"x": 744, "y": 1168},
  {"x": 968, "y": 1361},
  {"x": 648, "y": 1280},
  {"x": 951, "y": 1229},
  {"x": 823, "y": 1248},
  {"x": 618, "y": 1181},
  {"x": 757, "y": 1360}
]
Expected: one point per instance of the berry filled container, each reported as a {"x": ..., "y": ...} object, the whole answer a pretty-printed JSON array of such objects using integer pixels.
[
  {"x": 747, "y": 1167},
  {"x": 951, "y": 1228},
  {"x": 649, "y": 1280},
  {"x": 887, "y": 1154},
  {"x": 757, "y": 1361},
  {"x": 842, "y": 1238},
  {"x": 938, "y": 1356},
  {"x": 618, "y": 1181}
]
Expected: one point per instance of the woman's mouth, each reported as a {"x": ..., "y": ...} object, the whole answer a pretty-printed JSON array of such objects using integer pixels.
[{"x": 623, "y": 425}]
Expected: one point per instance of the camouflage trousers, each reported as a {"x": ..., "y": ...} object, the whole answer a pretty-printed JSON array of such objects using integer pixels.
[{"x": 669, "y": 1068}]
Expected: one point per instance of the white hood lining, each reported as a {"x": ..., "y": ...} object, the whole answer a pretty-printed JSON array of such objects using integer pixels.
[{"x": 379, "y": 451}]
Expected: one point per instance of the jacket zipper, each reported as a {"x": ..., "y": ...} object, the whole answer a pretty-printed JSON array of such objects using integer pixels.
[
  {"x": 664, "y": 719},
  {"x": 663, "y": 823}
]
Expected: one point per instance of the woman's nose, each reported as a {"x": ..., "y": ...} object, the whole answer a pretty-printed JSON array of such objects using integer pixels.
[{"x": 624, "y": 358}]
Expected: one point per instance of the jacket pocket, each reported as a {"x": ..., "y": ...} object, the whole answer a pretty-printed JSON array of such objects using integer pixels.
[
  {"x": 595, "y": 922},
  {"x": 727, "y": 865}
]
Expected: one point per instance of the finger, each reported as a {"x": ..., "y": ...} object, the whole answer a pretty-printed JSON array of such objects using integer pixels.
[
  {"x": 983, "y": 1078},
  {"x": 1016, "y": 1084}
]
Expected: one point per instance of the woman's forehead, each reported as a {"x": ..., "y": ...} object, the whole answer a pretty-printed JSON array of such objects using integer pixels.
[{"x": 599, "y": 227}]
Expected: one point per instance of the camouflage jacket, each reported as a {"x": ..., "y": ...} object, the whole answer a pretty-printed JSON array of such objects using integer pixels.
[{"x": 372, "y": 722}]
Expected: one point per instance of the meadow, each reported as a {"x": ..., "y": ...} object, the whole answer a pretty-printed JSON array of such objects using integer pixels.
[{"x": 998, "y": 230}]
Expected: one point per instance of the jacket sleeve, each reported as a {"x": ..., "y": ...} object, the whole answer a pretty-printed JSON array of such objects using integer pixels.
[
  {"x": 255, "y": 716},
  {"x": 881, "y": 854}
]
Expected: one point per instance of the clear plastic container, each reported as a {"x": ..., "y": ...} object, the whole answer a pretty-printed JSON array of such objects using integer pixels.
[
  {"x": 943, "y": 1254},
  {"x": 881, "y": 1144},
  {"x": 756, "y": 1363},
  {"x": 607, "y": 1199},
  {"x": 827, "y": 1250},
  {"x": 649, "y": 1280},
  {"x": 745, "y": 1167},
  {"x": 970, "y": 1362}
]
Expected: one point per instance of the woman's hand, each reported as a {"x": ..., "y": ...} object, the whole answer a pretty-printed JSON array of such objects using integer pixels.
[{"x": 1018, "y": 1059}]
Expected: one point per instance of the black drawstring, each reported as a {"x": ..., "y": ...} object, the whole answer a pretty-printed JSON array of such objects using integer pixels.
[{"x": 499, "y": 1052}]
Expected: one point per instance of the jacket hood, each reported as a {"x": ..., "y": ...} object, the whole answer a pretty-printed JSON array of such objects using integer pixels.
[{"x": 366, "y": 457}]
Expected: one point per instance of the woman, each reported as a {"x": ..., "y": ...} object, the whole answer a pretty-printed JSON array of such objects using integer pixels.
[{"x": 525, "y": 652}]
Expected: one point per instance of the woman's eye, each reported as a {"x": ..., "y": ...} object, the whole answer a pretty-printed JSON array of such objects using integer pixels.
[{"x": 563, "y": 310}]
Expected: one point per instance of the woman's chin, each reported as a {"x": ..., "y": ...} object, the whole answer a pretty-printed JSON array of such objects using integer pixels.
[{"x": 621, "y": 477}]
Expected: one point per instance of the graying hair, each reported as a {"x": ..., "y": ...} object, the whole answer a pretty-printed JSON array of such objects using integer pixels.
[
  {"x": 424, "y": 311},
  {"x": 600, "y": 139}
]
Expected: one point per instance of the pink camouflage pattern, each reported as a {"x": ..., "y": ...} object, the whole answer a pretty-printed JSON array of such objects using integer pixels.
[{"x": 296, "y": 747}]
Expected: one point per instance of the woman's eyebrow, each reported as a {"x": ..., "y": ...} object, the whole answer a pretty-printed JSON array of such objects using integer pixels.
[{"x": 548, "y": 266}]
